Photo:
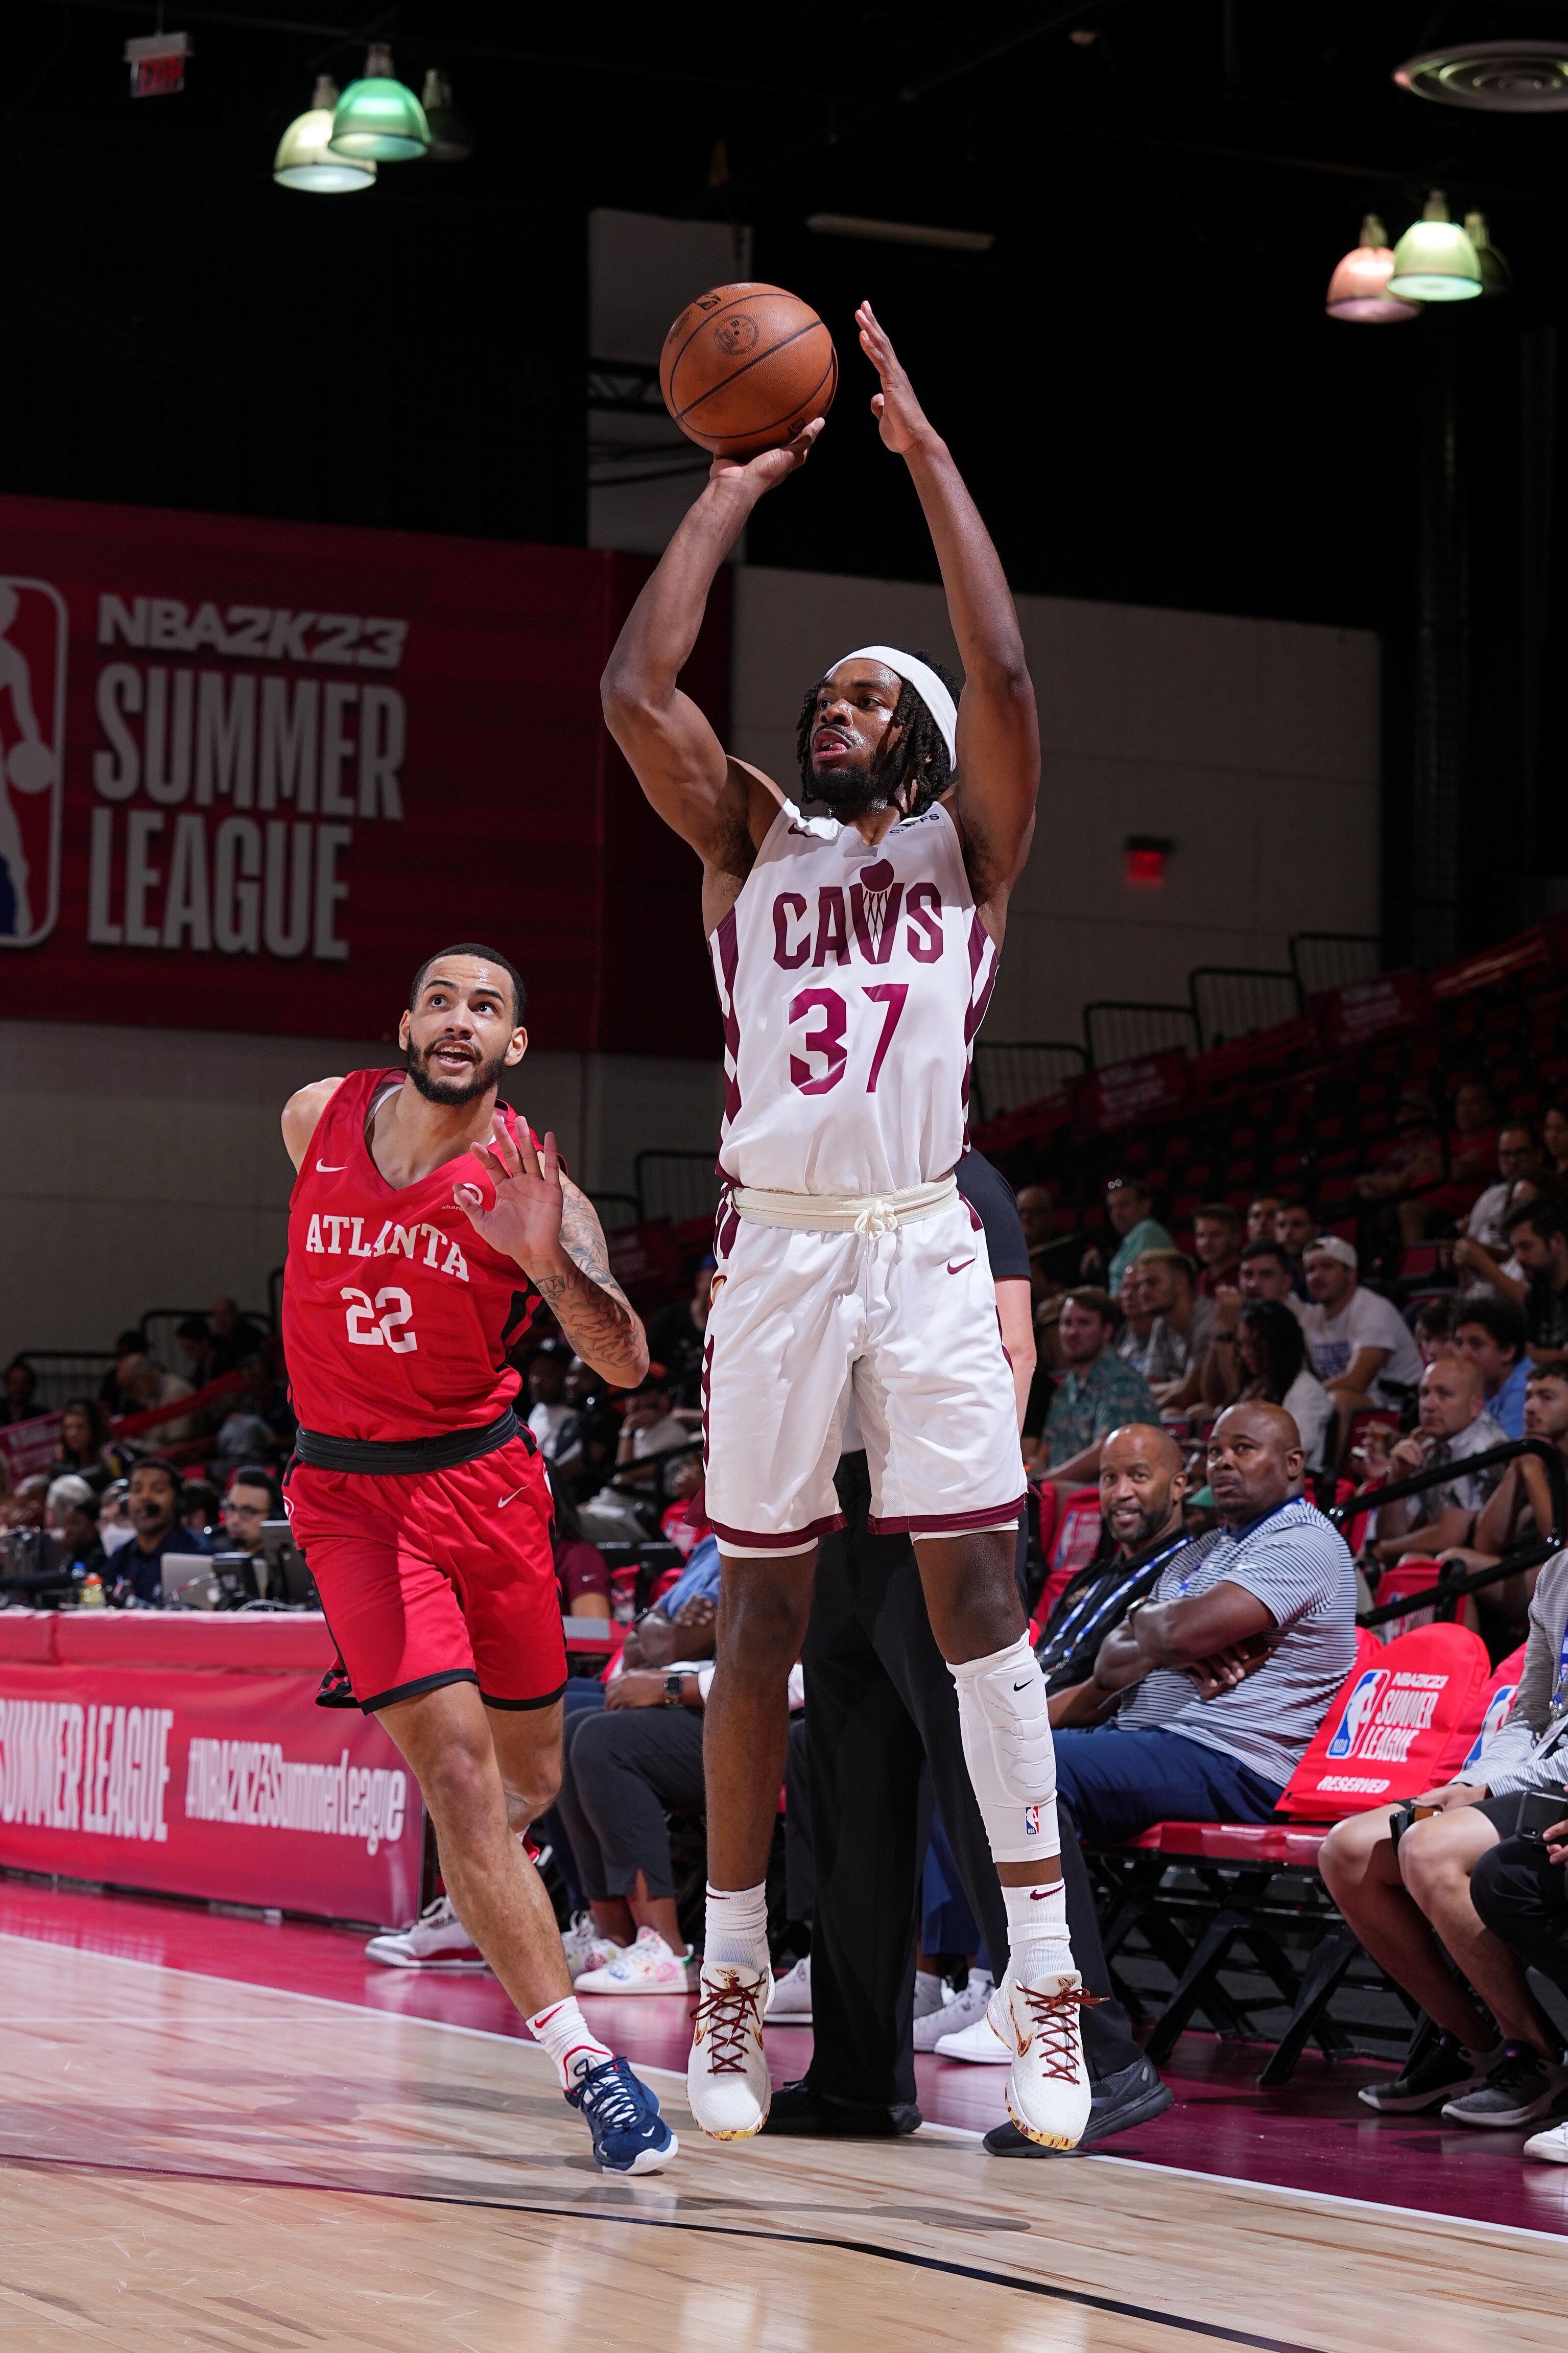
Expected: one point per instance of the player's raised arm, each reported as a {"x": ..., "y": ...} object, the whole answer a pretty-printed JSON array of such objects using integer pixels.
[
  {"x": 998, "y": 733},
  {"x": 678, "y": 761}
]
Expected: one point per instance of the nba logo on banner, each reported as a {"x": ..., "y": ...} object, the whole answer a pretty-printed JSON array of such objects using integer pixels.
[
  {"x": 1497, "y": 1711},
  {"x": 1031, "y": 1822},
  {"x": 33, "y": 632},
  {"x": 1358, "y": 1709}
]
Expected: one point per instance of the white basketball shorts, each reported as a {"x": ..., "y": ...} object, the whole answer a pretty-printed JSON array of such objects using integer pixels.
[{"x": 905, "y": 1325}]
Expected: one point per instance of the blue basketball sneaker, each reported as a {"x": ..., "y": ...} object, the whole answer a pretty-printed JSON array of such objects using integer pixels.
[{"x": 622, "y": 2114}]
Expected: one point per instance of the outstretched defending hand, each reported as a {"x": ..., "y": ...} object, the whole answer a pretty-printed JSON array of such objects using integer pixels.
[
  {"x": 900, "y": 417},
  {"x": 766, "y": 471},
  {"x": 525, "y": 1222}
]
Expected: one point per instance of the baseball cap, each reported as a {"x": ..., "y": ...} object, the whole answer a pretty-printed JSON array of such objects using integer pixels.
[{"x": 1332, "y": 1246}]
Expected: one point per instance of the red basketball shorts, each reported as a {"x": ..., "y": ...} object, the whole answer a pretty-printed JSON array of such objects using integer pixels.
[{"x": 441, "y": 1577}]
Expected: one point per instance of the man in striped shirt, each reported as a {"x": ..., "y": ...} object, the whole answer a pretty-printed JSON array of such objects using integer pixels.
[{"x": 1228, "y": 1665}]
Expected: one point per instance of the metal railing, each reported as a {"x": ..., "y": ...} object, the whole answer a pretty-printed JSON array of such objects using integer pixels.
[
  {"x": 1322, "y": 960},
  {"x": 1115, "y": 1032},
  {"x": 676, "y": 1185},
  {"x": 1233, "y": 1000},
  {"x": 62, "y": 1373},
  {"x": 1005, "y": 1077},
  {"x": 1453, "y": 1586}
]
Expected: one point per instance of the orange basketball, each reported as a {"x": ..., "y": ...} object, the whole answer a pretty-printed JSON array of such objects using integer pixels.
[{"x": 745, "y": 368}]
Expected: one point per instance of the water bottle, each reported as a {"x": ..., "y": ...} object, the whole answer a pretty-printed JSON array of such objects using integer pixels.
[{"x": 93, "y": 1591}]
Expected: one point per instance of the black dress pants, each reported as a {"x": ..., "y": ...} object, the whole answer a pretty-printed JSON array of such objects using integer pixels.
[
  {"x": 879, "y": 1702},
  {"x": 1523, "y": 1897}
]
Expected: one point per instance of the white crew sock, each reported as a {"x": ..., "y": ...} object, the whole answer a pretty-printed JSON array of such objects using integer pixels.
[
  {"x": 1037, "y": 1931},
  {"x": 560, "y": 2027},
  {"x": 737, "y": 1927}
]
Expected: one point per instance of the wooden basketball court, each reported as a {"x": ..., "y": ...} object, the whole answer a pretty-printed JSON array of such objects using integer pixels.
[{"x": 189, "y": 2161}]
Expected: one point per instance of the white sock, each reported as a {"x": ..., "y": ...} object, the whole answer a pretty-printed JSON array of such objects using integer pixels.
[
  {"x": 737, "y": 1927},
  {"x": 560, "y": 2027},
  {"x": 1037, "y": 1931}
]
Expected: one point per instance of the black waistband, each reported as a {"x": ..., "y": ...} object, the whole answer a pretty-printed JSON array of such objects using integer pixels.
[{"x": 395, "y": 1457}]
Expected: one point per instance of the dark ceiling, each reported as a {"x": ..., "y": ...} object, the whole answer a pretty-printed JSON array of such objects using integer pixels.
[{"x": 1138, "y": 377}]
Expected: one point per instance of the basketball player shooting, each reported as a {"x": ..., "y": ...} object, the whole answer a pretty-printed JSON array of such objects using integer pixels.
[
  {"x": 854, "y": 952},
  {"x": 425, "y": 1225}
]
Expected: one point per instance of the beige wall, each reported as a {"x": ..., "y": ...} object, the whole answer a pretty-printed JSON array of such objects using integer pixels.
[
  {"x": 143, "y": 1167},
  {"x": 1252, "y": 745}
]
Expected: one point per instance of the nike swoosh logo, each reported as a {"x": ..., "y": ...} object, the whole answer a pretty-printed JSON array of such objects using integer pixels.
[
  {"x": 336, "y": 1170},
  {"x": 959, "y": 1267},
  {"x": 1041, "y": 1895},
  {"x": 512, "y": 1498},
  {"x": 1022, "y": 1686}
]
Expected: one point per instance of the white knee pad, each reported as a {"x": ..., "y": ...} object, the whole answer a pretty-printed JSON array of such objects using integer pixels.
[{"x": 1007, "y": 1749}]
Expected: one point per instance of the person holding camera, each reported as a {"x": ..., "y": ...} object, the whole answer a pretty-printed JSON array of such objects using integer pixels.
[{"x": 1406, "y": 1883}]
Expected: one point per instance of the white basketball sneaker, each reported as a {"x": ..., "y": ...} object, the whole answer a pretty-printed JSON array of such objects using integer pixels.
[
  {"x": 646, "y": 1967},
  {"x": 437, "y": 1940},
  {"x": 727, "y": 2082},
  {"x": 585, "y": 1948},
  {"x": 1048, "y": 2089},
  {"x": 952, "y": 2019},
  {"x": 791, "y": 2004},
  {"x": 978, "y": 2043}
]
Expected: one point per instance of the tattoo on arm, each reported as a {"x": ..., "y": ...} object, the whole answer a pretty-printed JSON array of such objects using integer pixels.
[{"x": 588, "y": 1303}]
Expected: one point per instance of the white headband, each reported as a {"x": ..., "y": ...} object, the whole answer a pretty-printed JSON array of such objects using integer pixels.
[{"x": 926, "y": 684}]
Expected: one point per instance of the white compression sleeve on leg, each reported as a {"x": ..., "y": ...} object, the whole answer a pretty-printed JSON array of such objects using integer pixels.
[{"x": 1007, "y": 1749}]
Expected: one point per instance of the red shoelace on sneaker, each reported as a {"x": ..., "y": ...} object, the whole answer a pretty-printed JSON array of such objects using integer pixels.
[
  {"x": 1056, "y": 2017},
  {"x": 728, "y": 2015}
]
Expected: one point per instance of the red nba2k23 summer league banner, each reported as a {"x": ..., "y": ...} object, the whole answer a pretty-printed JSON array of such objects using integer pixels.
[
  {"x": 209, "y": 1773},
  {"x": 251, "y": 772}
]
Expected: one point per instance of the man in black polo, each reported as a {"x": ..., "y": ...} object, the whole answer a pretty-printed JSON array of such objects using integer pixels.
[{"x": 153, "y": 1505}]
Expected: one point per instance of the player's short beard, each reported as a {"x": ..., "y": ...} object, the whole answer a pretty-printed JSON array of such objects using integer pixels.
[{"x": 452, "y": 1093}]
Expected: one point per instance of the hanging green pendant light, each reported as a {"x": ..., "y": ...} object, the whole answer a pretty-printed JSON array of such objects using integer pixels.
[
  {"x": 378, "y": 117},
  {"x": 303, "y": 159},
  {"x": 451, "y": 141},
  {"x": 1496, "y": 275},
  {"x": 1435, "y": 260}
]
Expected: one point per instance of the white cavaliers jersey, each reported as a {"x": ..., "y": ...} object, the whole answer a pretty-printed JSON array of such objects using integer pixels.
[{"x": 851, "y": 981}]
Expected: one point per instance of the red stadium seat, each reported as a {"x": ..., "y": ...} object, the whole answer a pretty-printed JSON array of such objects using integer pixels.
[
  {"x": 1077, "y": 1531},
  {"x": 1411, "y": 1575},
  {"x": 1395, "y": 1720}
]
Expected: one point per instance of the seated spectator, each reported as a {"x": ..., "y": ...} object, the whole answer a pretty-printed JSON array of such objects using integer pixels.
[
  {"x": 1096, "y": 1393},
  {"x": 648, "y": 1429},
  {"x": 1472, "y": 1146},
  {"x": 1361, "y": 1348},
  {"x": 628, "y": 1510},
  {"x": 1130, "y": 1209},
  {"x": 234, "y": 1335},
  {"x": 1415, "y": 1164},
  {"x": 1491, "y": 1333},
  {"x": 581, "y": 1569},
  {"x": 1273, "y": 1370},
  {"x": 1499, "y": 1272},
  {"x": 154, "y": 1502},
  {"x": 1498, "y": 2058},
  {"x": 201, "y": 1508},
  {"x": 1137, "y": 1318},
  {"x": 685, "y": 1521},
  {"x": 60, "y": 1495},
  {"x": 1265, "y": 1273},
  {"x": 29, "y": 1502},
  {"x": 1452, "y": 1424},
  {"x": 585, "y": 1444},
  {"x": 1295, "y": 1230},
  {"x": 1224, "y": 1673},
  {"x": 1538, "y": 1230},
  {"x": 1519, "y": 1509},
  {"x": 545, "y": 1381},
  {"x": 1264, "y": 1277},
  {"x": 198, "y": 1350},
  {"x": 1517, "y": 1154},
  {"x": 85, "y": 1447},
  {"x": 674, "y": 1337},
  {"x": 112, "y": 1397},
  {"x": 1142, "y": 1485},
  {"x": 1432, "y": 1328},
  {"x": 80, "y": 1552},
  {"x": 144, "y": 1384},
  {"x": 21, "y": 1383},
  {"x": 1179, "y": 1338},
  {"x": 252, "y": 1499},
  {"x": 1262, "y": 1217},
  {"x": 1216, "y": 1246},
  {"x": 1554, "y": 1143}
]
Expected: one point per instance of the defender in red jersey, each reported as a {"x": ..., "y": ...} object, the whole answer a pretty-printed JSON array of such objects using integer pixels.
[{"x": 427, "y": 1224}]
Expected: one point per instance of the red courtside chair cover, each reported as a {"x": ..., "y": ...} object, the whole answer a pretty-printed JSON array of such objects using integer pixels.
[
  {"x": 1496, "y": 1701},
  {"x": 1395, "y": 1720}
]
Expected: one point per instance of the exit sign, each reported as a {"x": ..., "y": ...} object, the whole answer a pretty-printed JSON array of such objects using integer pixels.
[{"x": 157, "y": 63}]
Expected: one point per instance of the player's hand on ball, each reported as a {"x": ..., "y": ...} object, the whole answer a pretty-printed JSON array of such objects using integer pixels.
[
  {"x": 899, "y": 416},
  {"x": 524, "y": 1223},
  {"x": 773, "y": 467}
]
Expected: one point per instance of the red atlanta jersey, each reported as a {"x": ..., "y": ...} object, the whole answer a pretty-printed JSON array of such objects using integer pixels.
[{"x": 397, "y": 1317}]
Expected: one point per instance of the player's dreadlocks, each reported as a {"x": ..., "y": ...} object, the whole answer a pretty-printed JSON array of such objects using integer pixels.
[{"x": 918, "y": 755}]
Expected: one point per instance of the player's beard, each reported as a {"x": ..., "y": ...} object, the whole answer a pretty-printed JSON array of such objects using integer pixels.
[
  {"x": 852, "y": 793},
  {"x": 452, "y": 1093}
]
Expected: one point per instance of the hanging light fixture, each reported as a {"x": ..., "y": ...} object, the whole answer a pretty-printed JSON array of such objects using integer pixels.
[
  {"x": 451, "y": 141},
  {"x": 1359, "y": 287},
  {"x": 1496, "y": 276},
  {"x": 1435, "y": 260},
  {"x": 304, "y": 160},
  {"x": 378, "y": 118}
]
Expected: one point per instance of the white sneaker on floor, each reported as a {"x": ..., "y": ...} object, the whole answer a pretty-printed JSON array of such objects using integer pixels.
[
  {"x": 437, "y": 1940},
  {"x": 728, "y": 2087},
  {"x": 1550, "y": 2147},
  {"x": 646, "y": 1966},
  {"x": 791, "y": 2004},
  {"x": 956, "y": 2016},
  {"x": 978, "y": 2043},
  {"x": 931, "y": 1995},
  {"x": 1048, "y": 2089},
  {"x": 585, "y": 1948}
]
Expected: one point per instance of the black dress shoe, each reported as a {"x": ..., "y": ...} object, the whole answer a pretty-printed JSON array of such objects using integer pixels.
[
  {"x": 1132, "y": 2097},
  {"x": 801, "y": 2109}
]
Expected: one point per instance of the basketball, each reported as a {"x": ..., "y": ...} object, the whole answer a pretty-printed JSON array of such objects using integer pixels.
[{"x": 747, "y": 367}]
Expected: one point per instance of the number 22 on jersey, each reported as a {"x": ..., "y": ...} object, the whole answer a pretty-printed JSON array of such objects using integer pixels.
[{"x": 382, "y": 1322}]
